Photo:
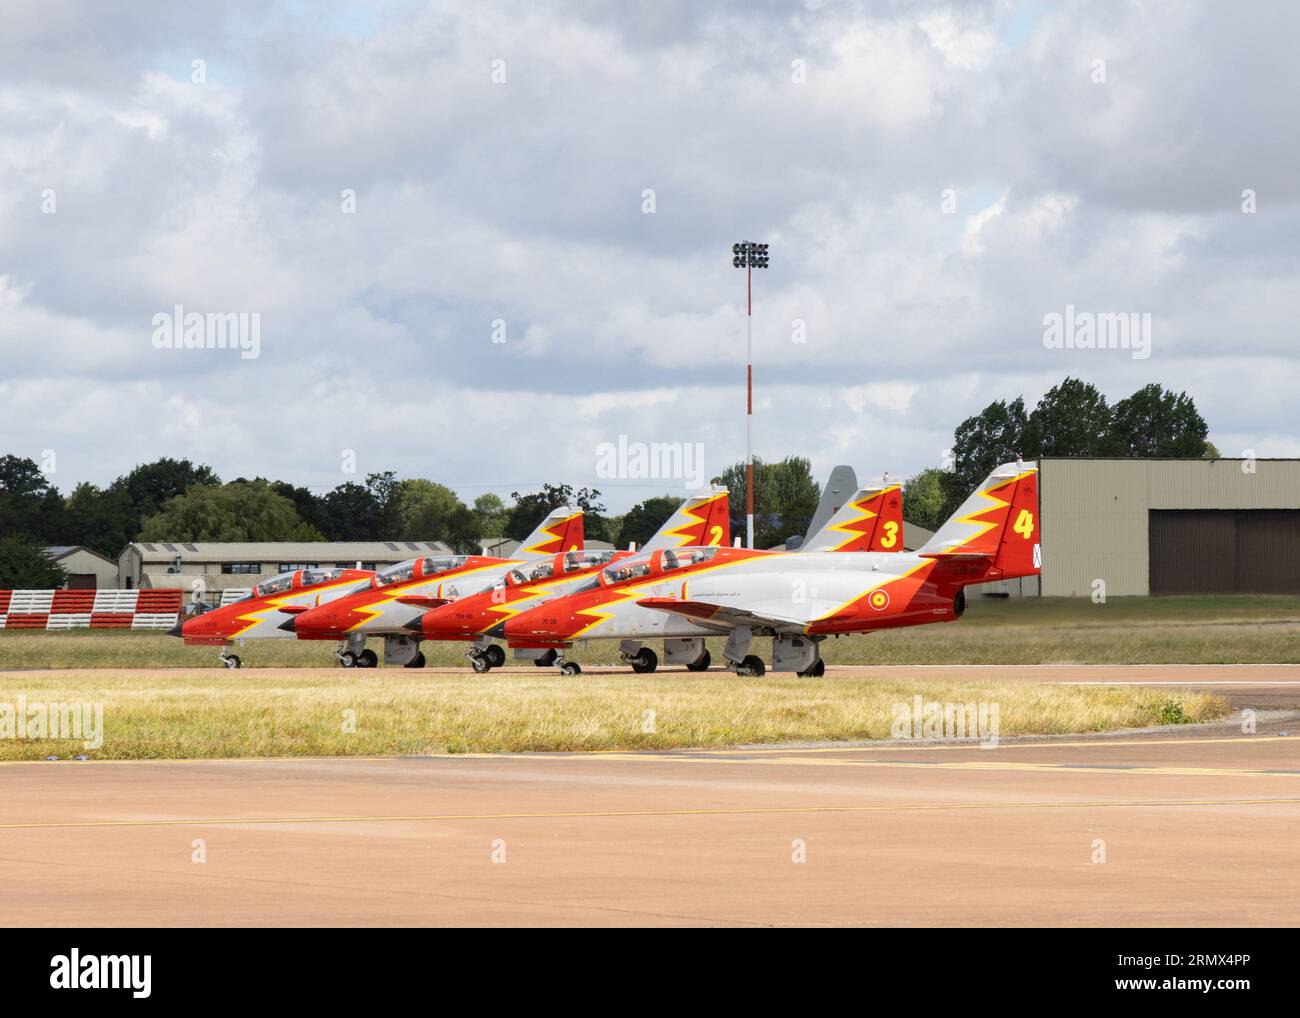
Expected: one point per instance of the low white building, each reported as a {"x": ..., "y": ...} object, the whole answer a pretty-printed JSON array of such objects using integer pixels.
[
  {"x": 86, "y": 569},
  {"x": 215, "y": 566}
]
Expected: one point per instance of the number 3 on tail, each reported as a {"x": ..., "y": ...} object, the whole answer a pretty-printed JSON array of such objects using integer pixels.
[
  {"x": 891, "y": 535},
  {"x": 1024, "y": 524}
]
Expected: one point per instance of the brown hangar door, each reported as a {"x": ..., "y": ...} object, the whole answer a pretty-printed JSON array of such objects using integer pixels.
[{"x": 1225, "y": 551}]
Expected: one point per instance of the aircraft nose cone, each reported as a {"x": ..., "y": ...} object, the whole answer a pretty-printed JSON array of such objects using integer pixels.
[
  {"x": 416, "y": 625},
  {"x": 289, "y": 624},
  {"x": 176, "y": 629}
]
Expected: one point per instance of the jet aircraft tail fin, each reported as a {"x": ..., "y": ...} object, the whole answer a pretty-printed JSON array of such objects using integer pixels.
[
  {"x": 560, "y": 531},
  {"x": 997, "y": 523},
  {"x": 700, "y": 521},
  {"x": 872, "y": 520}
]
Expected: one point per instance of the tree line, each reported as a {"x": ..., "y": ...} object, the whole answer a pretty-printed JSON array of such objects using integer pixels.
[
  {"x": 1072, "y": 419},
  {"x": 175, "y": 500}
]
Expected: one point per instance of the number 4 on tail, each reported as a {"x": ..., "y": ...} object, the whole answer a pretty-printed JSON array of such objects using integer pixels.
[{"x": 1024, "y": 525}]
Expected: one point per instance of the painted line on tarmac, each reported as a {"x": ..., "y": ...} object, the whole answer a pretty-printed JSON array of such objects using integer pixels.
[
  {"x": 614, "y": 814},
  {"x": 983, "y": 765},
  {"x": 732, "y": 754}
]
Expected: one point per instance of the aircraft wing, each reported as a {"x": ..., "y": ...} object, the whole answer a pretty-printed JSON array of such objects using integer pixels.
[{"x": 722, "y": 617}]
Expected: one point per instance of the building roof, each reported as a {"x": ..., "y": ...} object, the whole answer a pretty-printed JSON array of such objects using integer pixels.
[
  {"x": 287, "y": 551},
  {"x": 58, "y": 551}
]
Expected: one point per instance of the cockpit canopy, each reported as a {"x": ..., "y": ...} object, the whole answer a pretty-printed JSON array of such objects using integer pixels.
[
  {"x": 654, "y": 563},
  {"x": 414, "y": 568},
  {"x": 563, "y": 564},
  {"x": 285, "y": 581}
]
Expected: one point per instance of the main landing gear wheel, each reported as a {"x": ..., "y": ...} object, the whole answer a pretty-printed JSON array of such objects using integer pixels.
[
  {"x": 645, "y": 661},
  {"x": 417, "y": 661},
  {"x": 547, "y": 659},
  {"x": 495, "y": 655},
  {"x": 231, "y": 661},
  {"x": 701, "y": 663},
  {"x": 480, "y": 663},
  {"x": 347, "y": 659},
  {"x": 816, "y": 671},
  {"x": 570, "y": 668},
  {"x": 752, "y": 667},
  {"x": 367, "y": 659}
]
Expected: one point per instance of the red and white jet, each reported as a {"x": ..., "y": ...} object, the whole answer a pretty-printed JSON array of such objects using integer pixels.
[
  {"x": 796, "y": 598},
  {"x": 392, "y": 598}
]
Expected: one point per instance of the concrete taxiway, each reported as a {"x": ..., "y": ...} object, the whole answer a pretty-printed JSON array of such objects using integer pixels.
[{"x": 1178, "y": 827}]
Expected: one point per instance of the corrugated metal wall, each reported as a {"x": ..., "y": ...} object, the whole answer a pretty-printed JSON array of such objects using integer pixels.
[
  {"x": 1096, "y": 513},
  {"x": 1225, "y": 551}
]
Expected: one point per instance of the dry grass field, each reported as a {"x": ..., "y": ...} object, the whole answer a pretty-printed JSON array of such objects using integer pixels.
[{"x": 194, "y": 713}]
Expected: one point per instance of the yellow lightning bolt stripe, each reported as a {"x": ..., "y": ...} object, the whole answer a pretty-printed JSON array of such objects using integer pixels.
[
  {"x": 375, "y": 609},
  {"x": 253, "y": 618},
  {"x": 920, "y": 564},
  {"x": 684, "y": 540},
  {"x": 535, "y": 590},
  {"x": 864, "y": 514},
  {"x": 985, "y": 525},
  {"x": 554, "y": 532},
  {"x": 599, "y": 613}
]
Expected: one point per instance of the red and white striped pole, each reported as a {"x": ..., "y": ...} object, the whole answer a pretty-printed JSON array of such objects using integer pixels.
[
  {"x": 749, "y": 256},
  {"x": 749, "y": 404}
]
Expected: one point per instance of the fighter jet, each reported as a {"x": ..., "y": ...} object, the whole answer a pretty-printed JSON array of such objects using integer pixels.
[
  {"x": 700, "y": 520},
  {"x": 797, "y": 598},
  {"x": 871, "y": 520},
  {"x": 262, "y": 612},
  {"x": 392, "y": 598}
]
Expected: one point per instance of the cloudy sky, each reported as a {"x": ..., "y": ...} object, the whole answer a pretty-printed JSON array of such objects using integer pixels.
[{"x": 392, "y": 186}]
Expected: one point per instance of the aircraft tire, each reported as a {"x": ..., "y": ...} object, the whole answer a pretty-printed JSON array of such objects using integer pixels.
[
  {"x": 480, "y": 663},
  {"x": 417, "y": 661},
  {"x": 231, "y": 661},
  {"x": 367, "y": 659},
  {"x": 701, "y": 663},
  {"x": 495, "y": 655},
  {"x": 547, "y": 659},
  {"x": 645, "y": 661},
  {"x": 815, "y": 671},
  {"x": 752, "y": 667},
  {"x": 570, "y": 668},
  {"x": 347, "y": 659}
]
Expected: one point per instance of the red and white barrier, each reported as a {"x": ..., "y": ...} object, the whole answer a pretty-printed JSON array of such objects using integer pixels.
[{"x": 90, "y": 609}]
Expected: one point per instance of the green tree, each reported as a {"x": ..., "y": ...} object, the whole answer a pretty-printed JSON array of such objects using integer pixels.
[
  {"x": 386, "y": 490},
  {"x": 150, "y": 485},
  {"x": 239, "y": 511},
  {"x": 996, "y": 435},
  {"x": 463, "y": 531},
  {"x": 310, "y": 506},
  {"x": 491, "y": 512},
  {"x": 104, "y": 520},
  {"x": 643, "y": 520},
  {"x": 29, "y": 505},
  {"x": 1156, "y": 423},
  {"x": 425, "y": 509},
  {"x": 25, "y": 565},
  {"x": 785, "y": 498},
  {"x": 1072, "y": 419},
  {"x": 923, "y": 499},
  {"x": 529, "y": 510},
  {"x": 353, "y": 513}
]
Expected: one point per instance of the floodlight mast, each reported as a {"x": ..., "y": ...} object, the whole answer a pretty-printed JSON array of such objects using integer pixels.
[{"x": 749, "y": 256}]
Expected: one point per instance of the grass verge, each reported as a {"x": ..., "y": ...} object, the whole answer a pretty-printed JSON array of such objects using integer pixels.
[{"x": 202, "y": 713}]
